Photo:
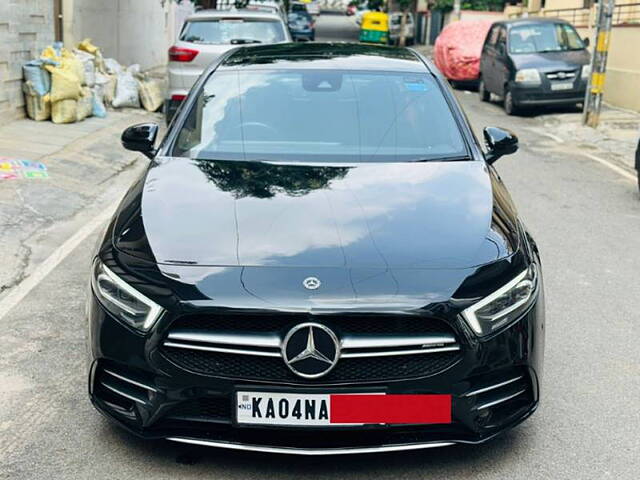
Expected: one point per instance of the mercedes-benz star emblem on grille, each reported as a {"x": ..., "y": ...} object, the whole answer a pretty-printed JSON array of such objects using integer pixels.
[
  {"x": 310, "y": 350},
  {"x": 311, "y": 283}
]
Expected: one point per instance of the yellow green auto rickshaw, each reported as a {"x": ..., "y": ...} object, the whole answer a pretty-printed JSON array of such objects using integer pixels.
[{"x": 375, "y": 28}]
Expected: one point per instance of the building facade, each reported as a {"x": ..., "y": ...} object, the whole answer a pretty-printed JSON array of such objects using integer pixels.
[
  {"x": 26, "y": 27},
  {"x": 131, "y": 31}
]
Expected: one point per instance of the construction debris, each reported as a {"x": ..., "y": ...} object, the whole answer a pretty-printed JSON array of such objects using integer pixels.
[{"x": 69, "y": 86}]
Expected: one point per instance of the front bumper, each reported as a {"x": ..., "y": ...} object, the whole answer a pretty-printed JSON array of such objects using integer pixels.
[
  {"x": 494, "y": 386},
  {"x": 303, "y": 35},
  {"x": 541, "y": 95}
]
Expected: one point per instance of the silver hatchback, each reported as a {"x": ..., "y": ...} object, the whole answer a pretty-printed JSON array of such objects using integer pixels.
[{"x": 208, "y": 34}]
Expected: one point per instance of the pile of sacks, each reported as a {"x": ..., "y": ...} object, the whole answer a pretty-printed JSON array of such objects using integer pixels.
[{"x": 71, "y": 86}]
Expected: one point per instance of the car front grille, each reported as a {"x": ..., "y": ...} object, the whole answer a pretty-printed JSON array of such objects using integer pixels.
[{"x": 374, "y": 348}]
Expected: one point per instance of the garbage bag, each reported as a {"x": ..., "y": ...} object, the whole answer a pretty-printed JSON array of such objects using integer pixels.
[
  {"x": 112, "y": 66},
  {"x": 64, "y": 111},
  {"x": 458, "y": 48},
  {"x": 88, "y": 67},
  {"x": 126, "y": 91},
  {"x": 87, "y": 46},
  {"x": 134, "y": 69},
  {"x": 84, "y": 107},
  {"x": 65, "y": 84},
  {"x": 109, "y": 89},
  {"x": 150, "y": 95},
  {"x": 40, "y": 78},
  {"x": 97, "y": 105},
  {"x": 38, "y": 106}
]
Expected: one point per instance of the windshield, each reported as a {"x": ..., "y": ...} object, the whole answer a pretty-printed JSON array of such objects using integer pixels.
[
  {"x": 223, "y": 31},
  {"x": 320, "y": 116},
  {"x": 544, "y": 37}
]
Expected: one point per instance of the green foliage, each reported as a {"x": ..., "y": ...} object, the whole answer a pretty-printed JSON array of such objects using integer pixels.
[{"x": 444, "y": 5}]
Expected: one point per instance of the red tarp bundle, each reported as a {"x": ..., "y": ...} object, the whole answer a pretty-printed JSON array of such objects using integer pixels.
[{"x": 458, "y": 48}]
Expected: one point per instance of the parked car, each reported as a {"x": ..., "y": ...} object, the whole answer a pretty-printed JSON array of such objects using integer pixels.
[
  {"x": 316, "y": 244},
  {"x": 302, "y": 26},
  {"x": 208, "y": 34},
  {"x": 300, "y": 7},
  {"x": 533, "y": 62},
  {"x": 395, "y": 19},
  {"x": 638, "y": 162},
  {"x": 267, "y": 6},
  {"x": 458, "y": 48}
]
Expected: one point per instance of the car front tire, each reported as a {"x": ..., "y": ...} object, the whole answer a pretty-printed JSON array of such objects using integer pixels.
[
  {"x": 510, "y": 106},
  {"x": 483, "y": 92}
]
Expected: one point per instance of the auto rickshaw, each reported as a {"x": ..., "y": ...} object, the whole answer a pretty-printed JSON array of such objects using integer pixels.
[{"x": 375, "y": 28}]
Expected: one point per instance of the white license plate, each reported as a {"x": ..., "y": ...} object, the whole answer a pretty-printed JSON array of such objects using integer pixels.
[
  {"x": 562, "y": 86},
  {"x": 308, "y": 409},
  {"x": 266, "y": 408}
]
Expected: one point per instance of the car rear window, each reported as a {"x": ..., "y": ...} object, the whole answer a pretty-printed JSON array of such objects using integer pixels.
[
  {"x": 320, "y": 116},
  {"x": 229, "y": 30}
]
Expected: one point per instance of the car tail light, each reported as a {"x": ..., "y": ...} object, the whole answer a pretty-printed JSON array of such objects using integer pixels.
[
  {"x": 178, "y": 98},
  {"x": 178, "y": 54}
]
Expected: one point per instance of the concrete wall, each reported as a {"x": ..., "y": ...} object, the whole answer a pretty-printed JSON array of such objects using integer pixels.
[
  {"x": 131, "y": 31},
  {"x": 622, "y": 83},
  {"x": 26, "y": 27}
]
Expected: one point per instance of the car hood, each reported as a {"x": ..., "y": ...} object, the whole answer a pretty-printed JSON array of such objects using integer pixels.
[
  {"x": 551, "y": 61},
  {"x": 444, "y": 215}
]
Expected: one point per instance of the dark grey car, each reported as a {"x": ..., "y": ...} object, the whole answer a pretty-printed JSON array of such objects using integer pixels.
[{"x": 533, "y": 62}]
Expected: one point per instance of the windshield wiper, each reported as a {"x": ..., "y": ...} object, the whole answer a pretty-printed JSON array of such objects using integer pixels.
[
  {"x": 242, "y": 41},
  {"x": 460, "y": 158}
]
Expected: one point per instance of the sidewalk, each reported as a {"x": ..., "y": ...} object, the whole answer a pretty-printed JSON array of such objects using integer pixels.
[
  {"x": 616, "y": 137},
  {"x": 54, "y": 178}
]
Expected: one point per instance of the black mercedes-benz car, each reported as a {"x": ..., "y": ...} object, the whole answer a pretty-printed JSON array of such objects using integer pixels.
[{"x": 357, "y": 282}]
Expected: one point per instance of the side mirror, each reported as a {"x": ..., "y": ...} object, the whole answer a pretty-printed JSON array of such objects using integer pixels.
[
  {"x": 499, "y": 142},
  {"x": 586, "y": 41},
  {"x": 141, "y": 138}
]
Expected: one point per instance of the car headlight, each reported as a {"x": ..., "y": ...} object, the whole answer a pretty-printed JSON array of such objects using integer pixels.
[
  {"x": 503, "y": 306},
  {"x": 122, "y": 300},
  {"x": 528, "y": 75},
  {"x": 586, "y": 70}
]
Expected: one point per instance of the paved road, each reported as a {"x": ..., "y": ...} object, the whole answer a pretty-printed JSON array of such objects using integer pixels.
[
  {"x": 336, "y": 28},
  {"x": 586, "y": 219}
]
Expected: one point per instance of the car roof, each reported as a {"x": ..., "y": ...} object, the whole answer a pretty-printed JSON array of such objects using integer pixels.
[
  {"x": 235, "y": 13},
  {"x": 529, "y": 21},
  {"x": 337, "y": 56}
]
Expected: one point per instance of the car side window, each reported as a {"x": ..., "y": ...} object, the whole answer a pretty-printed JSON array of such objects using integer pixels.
[
  {"x": 501, "y": 43},
  {"x": 493, "y": 36}
]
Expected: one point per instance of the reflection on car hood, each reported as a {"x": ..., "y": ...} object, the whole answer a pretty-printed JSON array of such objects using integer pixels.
[{"x": 389, "y": 215}]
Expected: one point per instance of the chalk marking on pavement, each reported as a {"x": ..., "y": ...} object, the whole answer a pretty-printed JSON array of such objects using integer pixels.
[
  {"x": 17, "y": 294},
  {"x": 611, "y": 166}
]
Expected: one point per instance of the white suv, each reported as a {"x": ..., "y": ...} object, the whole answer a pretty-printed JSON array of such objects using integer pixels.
[{"x": 208, "y": 34}]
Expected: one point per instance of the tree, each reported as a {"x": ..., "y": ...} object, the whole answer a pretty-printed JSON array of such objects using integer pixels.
[{"x": 405, "y": 5}]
